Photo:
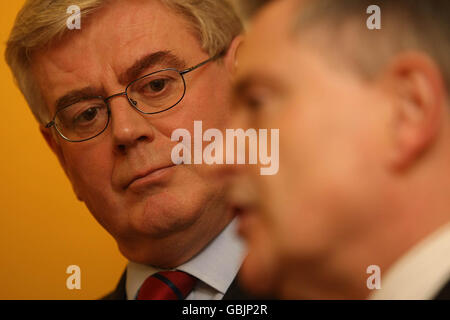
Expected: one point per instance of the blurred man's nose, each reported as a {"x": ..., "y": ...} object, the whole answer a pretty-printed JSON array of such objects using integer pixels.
[
  {"x": 239, "y": 120},
  {"x": 129, "y": 126}
]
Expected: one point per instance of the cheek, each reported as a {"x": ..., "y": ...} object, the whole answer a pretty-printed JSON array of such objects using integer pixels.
[
  {"x": 213, "y": 110},
  {"x": 89, "y": 170},
  {"x": 328, "y": 162},
  {"x": 210, "y": 102},
  {"x": 327, "y": 142}
]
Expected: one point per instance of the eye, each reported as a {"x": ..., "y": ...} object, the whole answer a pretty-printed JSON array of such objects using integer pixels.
[
  {"x": 82, "y": 116},
  {"x": 254, "y": 102},
  {"x": 87, "y": 115},
  {"x": 156, "y": 85}
]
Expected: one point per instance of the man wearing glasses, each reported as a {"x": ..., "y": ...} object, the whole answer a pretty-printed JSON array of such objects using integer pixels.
[{"x": 108, "y": 98}]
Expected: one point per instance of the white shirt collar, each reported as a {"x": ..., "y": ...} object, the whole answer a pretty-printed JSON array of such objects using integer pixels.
[
  {"x": 421, "y": 272},
  {"x": 216, "y": 265}
]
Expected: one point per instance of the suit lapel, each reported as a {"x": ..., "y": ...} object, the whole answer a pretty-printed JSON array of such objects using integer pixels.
[{"x": 120, "y": 292}]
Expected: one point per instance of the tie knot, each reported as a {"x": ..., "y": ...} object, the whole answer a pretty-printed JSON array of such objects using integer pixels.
[{"x": 167, "y": 285}]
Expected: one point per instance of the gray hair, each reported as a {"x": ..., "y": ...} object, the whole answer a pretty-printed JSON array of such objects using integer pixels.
[{"x": 41, "y": 22}]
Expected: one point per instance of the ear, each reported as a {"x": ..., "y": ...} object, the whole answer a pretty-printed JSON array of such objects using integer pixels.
[
  {"x": 54, "y": 145},
  {"x": 418, "y": 100},
  {"x": 231, "y": 57}
]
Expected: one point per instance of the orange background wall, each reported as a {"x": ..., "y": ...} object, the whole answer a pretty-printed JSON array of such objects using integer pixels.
[{"x": 43, "y": 227}]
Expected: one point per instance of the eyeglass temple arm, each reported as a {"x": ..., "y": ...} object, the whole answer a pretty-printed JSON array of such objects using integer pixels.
[
  {"x": 217, "y": 56},
  {"x": 50, "y": 124}
]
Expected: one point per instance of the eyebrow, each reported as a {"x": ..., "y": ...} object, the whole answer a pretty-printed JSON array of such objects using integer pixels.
[
  {"x": 242, "y": 85},
  {"x": 78, "y": 95},
  {"x": 164, "y": 58}
]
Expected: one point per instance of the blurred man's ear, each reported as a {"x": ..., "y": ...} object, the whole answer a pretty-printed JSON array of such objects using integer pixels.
[
  {"x": 231, "y": 56},
  {"x": 419, "y": 97},
  {"x": 56, "y": 148}
]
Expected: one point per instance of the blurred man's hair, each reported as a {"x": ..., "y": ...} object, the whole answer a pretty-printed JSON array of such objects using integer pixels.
[
  {"x": 406, "y": 25},
  {"x": 248, "y": 8},
  {"x": 41, "y": 22}
]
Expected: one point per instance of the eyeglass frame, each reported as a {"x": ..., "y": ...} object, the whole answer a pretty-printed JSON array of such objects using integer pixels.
[{"x": 52, "y": 123}]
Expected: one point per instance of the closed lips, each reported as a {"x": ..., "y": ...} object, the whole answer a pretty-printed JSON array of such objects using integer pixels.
[{"x": 145, "y": 174}]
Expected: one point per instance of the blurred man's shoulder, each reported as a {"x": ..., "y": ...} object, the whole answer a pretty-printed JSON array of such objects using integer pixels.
[{"x": 444, "y": 293}]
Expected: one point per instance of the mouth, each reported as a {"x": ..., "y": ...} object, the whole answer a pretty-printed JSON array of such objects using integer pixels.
[
  {"x": 245, "y": 212},
  {"x": 245, "y": 217},
  {"x": 148, "y": 178}
]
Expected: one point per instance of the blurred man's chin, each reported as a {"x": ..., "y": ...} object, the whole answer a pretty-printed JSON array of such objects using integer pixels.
[
  {"x": 256, "y": 277},
  {"x": 259, "y": 272}
]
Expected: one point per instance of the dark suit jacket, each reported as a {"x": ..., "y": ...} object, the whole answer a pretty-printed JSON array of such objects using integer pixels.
[
  {"x": 235, "y": 292},
  {"x": 444, "y": 293}
]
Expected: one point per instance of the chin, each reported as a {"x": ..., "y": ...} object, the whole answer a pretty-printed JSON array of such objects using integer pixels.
[
  {"x": 159, "y": 217},
  {"x": 154, "y": 254}
]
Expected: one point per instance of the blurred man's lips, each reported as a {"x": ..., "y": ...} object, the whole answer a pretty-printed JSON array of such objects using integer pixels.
[
  {"x": 244, "y": 208},
  {"x": 149, "y": 177},
  {"x": 242, "y": 212}
]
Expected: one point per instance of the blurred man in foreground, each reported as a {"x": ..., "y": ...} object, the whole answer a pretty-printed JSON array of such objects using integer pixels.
[{"x": 364, "y": 179}]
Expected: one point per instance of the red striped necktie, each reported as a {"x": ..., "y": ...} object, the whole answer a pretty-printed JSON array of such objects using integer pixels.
[{"x": 167, "y": 285}]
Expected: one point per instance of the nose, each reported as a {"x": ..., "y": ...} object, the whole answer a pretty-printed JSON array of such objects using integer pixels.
[{"x": 129, "y": 126}]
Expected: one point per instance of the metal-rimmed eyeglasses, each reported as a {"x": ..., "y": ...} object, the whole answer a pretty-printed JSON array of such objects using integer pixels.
[{"x": 153, "y": 93}]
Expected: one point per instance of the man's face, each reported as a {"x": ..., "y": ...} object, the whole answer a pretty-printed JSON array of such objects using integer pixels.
[
  {"x": 332, "y": 139},
  {"x": 165, "y": 216}
]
